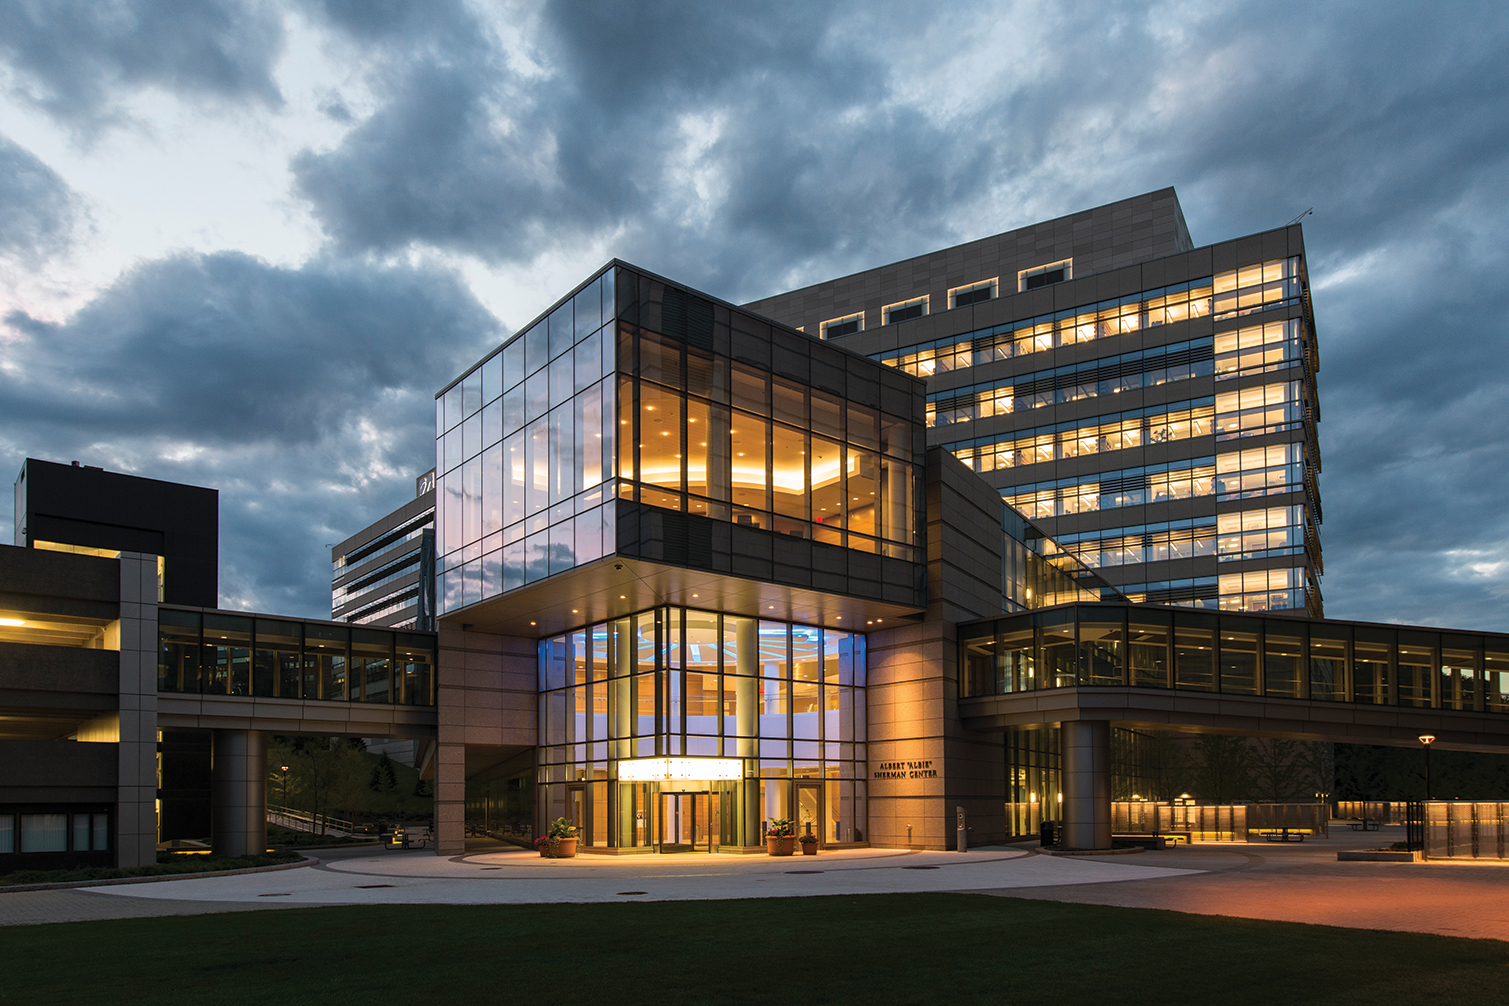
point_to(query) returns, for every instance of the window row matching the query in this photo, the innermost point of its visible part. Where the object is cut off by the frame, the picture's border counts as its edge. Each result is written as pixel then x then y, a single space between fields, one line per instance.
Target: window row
pixel 674 704
pixel 217 654
pixel 1257 287
pixel 719 381
pixel 1096 378
pixel 566 329
pixel 733 465
pixel 1286 658
pixel 1137 428
pixel 705 642
pixel 55 832
pixel 1111 490
pixel 1259 349
pixel 1150 309
pixel 1263 589
pixel 1260 471
pixel 1250 412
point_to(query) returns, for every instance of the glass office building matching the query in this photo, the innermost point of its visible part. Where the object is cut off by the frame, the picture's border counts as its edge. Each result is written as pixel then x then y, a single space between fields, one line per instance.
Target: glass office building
pixel 726 460
pixel 1150 405
pixel 597 400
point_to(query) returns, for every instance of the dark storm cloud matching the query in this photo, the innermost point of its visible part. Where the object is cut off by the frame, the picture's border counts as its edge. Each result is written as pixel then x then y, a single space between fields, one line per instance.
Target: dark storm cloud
pixel 305 395
pixel 472 153
pixel 37 209
pixel 78 59
pixel 829 151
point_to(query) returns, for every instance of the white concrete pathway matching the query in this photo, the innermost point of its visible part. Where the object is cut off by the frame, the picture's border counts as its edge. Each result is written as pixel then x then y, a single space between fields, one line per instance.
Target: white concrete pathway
pixel 525 878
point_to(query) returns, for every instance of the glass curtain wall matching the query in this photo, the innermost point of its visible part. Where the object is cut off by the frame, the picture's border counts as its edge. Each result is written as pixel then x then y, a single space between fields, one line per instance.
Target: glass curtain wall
pixel 785 700
pixel 1103 645
pixel 219 654
pixel 523 452
pixel 722 439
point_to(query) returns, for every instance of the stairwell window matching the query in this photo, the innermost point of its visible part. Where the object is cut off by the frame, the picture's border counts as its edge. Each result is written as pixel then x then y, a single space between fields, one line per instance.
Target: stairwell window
pixel 974 293
pixel 1044 275
pixel 904 311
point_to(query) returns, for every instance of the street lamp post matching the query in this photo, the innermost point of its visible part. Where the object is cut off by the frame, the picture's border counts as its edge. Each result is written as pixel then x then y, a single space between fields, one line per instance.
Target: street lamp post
pixel 1427 740
pixel 285 787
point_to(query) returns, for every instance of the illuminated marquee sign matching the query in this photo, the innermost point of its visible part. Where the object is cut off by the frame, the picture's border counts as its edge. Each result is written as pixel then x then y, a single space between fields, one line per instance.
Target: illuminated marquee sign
pixel 675 769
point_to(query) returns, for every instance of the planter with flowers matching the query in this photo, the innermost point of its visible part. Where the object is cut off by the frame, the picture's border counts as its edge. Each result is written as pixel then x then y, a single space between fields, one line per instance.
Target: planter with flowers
pixel 809 844
pixel 559 842
pixel 780 837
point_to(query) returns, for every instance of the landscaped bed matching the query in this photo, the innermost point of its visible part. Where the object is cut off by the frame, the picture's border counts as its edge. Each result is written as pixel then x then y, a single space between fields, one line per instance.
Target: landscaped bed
pixel 168 864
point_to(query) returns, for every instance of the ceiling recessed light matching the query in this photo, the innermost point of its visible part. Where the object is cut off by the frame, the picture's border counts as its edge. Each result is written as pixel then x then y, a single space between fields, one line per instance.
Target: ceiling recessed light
pixel 11 621
pixel 573 611
pixel 622 597
pixel 531 623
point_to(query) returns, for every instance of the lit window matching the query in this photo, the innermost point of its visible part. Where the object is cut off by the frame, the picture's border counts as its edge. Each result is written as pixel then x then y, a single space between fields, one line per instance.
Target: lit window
pixel 837 328
pixel 975 293
pixel 1045 275
pixel 904 311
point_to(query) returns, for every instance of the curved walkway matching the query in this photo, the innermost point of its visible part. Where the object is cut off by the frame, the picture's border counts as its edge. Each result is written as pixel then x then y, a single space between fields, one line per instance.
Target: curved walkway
pixel 1291 883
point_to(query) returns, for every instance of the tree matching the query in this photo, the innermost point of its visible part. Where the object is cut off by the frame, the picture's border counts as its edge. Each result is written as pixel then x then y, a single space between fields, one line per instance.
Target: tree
pixel 1222 770
pixel 1277 768
pixel 1167 770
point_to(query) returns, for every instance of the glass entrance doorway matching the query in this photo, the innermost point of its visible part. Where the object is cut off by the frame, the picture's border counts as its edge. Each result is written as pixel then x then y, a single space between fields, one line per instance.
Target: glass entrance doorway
pixel 688 822
pixel 809 810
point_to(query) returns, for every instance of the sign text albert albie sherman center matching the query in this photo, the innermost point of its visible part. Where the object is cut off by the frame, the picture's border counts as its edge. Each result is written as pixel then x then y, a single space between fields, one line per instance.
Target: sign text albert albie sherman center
pixel 855 555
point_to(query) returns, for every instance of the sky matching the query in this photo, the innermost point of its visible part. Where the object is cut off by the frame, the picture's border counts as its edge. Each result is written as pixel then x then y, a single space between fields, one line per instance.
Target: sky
pixel 243 242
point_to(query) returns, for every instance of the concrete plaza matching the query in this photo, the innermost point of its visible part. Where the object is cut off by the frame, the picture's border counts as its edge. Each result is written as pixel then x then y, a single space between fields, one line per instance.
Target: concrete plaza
pixel 1294 883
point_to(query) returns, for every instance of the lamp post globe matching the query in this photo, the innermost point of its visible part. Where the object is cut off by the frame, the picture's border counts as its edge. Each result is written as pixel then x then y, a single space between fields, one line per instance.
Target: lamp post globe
pixel 1426 740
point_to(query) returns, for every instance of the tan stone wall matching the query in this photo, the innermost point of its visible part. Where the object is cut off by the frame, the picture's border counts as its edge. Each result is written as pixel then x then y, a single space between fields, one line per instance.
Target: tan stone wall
pixel 485 696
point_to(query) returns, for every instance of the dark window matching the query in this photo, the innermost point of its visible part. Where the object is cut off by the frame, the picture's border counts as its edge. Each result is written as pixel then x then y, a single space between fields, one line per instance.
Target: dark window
pixel 841 329
pixel 971 297
pixel 1043 279
pixel 904 313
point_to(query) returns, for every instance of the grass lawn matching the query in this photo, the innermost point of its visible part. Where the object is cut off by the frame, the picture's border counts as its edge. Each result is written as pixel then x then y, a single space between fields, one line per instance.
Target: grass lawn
pixel 878 949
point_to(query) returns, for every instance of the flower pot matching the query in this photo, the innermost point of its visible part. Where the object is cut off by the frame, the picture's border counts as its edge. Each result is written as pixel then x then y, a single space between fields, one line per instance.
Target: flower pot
pixel 565 848
pixel 809 848
pixel 778 846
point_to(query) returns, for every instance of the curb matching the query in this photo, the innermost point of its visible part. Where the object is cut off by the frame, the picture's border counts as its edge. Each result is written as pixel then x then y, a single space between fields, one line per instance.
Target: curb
pixel 116 881
pixel 1090 852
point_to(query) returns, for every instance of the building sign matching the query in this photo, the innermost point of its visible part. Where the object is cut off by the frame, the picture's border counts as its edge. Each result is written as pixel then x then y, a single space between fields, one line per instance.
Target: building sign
pixel 679 769
pixel 905 770
pixel 424 483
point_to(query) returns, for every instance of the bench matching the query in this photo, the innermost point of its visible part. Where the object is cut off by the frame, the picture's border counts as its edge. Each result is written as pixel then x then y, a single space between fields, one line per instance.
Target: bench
pixel 1281 834
pixel 1365 825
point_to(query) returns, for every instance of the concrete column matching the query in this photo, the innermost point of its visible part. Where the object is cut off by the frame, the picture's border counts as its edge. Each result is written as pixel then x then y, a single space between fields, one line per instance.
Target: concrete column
pixel 1087 784
pixel 238 792
pixel 135 636
pixel 450 795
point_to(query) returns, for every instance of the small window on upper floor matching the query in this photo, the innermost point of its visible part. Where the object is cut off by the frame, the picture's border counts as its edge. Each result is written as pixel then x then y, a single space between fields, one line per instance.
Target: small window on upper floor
pixel 1045 275
pixel 837 328
pixel 904 311
pixel 974 293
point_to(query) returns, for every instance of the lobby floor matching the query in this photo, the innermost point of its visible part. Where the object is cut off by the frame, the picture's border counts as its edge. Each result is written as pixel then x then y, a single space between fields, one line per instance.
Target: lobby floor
pixel 1297 883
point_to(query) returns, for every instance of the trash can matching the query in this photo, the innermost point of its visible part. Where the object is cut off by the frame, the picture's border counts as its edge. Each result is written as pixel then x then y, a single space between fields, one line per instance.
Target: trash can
pixel 1051 833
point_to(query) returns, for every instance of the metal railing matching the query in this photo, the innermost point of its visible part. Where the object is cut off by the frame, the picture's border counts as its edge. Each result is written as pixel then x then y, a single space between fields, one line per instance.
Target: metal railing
pixel 320 824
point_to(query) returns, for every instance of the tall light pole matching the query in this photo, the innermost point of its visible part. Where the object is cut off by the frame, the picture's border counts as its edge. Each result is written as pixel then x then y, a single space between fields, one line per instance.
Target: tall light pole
pixel 1427 740
pixel 285 787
